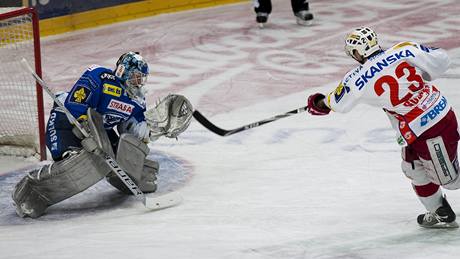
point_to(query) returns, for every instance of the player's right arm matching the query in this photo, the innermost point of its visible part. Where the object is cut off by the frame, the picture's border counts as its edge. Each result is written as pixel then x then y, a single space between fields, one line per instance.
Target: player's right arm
pixel 432 61
pixel 342 99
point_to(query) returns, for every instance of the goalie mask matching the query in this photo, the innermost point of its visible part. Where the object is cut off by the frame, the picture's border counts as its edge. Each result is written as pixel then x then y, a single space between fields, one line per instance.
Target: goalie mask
pixel 133 70
pixel 363 40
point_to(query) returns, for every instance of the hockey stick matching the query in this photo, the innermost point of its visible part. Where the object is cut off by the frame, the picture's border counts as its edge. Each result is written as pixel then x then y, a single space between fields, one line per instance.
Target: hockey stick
pixel 150 203
pixel 222 132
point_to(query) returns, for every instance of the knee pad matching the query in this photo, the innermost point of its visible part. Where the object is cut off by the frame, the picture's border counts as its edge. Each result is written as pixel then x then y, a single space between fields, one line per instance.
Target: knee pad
pixel 415 171
pixel 58 181
pixel 98 132
pixel 131 156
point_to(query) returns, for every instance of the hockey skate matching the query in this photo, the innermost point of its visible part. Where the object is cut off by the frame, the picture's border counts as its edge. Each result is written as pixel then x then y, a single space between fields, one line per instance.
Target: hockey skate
pixel 304 18
pixel 444 217
pixel 261 19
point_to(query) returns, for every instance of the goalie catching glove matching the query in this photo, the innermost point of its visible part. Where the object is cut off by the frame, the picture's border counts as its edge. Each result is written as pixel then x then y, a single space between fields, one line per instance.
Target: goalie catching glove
pixel 170 117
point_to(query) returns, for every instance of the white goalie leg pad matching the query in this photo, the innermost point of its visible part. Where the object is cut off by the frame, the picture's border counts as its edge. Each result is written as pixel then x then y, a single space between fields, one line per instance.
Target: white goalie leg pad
pixel 27 201
pixel 58 181
pixel 440 169
pixel 149 176
pixel 131 156
pixel 98 132
pixel 63 179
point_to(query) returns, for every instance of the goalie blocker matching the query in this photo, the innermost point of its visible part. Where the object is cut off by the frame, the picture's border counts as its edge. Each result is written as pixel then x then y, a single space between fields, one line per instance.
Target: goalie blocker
pixel 82 168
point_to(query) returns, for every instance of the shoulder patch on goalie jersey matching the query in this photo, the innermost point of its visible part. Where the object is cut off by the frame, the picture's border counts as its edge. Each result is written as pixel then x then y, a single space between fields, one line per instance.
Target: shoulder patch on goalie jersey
pixel 80 94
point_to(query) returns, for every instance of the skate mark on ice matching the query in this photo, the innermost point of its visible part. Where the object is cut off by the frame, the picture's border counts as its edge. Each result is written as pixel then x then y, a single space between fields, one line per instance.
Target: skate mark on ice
pixel 376 140
pixel 328 135
pixel 359 245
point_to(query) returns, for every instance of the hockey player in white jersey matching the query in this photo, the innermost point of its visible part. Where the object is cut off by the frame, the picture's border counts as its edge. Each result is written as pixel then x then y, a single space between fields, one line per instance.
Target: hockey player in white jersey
pixel 399 80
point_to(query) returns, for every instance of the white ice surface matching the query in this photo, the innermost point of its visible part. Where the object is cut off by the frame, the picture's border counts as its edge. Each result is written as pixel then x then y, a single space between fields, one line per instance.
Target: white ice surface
pixel 301 187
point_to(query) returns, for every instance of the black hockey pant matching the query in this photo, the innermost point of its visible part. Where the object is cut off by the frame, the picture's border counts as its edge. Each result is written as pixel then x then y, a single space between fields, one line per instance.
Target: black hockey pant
pixel 265 6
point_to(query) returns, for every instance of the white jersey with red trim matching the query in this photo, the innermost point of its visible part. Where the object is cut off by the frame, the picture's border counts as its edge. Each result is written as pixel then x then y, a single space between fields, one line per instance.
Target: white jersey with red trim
pixel 398 80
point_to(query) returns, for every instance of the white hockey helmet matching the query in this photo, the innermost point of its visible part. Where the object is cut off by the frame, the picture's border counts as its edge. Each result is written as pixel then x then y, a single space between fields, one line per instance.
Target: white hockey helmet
pixel 363 40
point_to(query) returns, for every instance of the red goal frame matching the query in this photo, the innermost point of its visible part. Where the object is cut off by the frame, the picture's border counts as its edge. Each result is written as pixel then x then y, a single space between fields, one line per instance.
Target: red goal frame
pixel 38 70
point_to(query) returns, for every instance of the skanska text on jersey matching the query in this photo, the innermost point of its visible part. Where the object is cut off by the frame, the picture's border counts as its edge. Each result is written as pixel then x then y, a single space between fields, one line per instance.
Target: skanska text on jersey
pixel 380 65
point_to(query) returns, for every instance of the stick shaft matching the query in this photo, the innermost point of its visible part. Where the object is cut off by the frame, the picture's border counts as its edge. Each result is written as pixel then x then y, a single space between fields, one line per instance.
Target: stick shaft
pixel 53 96
pixel 222 132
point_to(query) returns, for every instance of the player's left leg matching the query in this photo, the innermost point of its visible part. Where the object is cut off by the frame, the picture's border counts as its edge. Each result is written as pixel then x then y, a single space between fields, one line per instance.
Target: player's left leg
pixel 431 161
pixel 302 12
pixel 439 213
pixel 437 150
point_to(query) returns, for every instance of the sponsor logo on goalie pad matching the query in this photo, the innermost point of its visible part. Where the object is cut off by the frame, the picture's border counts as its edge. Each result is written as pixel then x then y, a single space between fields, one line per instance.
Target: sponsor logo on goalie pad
pixel 123 176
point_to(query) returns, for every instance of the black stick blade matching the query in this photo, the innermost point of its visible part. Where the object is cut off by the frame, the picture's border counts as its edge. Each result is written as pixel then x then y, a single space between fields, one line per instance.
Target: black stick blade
pixel 207 124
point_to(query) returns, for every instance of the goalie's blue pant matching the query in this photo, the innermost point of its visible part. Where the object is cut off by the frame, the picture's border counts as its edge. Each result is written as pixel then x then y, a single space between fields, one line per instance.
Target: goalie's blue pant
pixel 60 138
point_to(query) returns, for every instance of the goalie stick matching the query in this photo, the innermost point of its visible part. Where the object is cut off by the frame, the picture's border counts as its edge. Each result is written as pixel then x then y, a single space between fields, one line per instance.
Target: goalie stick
pixel 222 132
pixel 152 203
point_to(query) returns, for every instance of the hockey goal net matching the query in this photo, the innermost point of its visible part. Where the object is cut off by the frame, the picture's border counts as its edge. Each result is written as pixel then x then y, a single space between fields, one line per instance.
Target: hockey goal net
pixel 21 99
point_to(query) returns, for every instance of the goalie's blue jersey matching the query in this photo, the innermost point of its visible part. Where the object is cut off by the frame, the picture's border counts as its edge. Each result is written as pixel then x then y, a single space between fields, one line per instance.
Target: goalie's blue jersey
pixel 100 89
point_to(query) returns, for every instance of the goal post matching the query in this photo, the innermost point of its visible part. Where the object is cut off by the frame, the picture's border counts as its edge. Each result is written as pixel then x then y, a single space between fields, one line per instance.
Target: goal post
pixel 22 126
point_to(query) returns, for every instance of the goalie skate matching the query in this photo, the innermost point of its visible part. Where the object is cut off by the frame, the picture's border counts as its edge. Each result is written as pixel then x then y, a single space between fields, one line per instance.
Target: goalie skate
pixel 444 217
